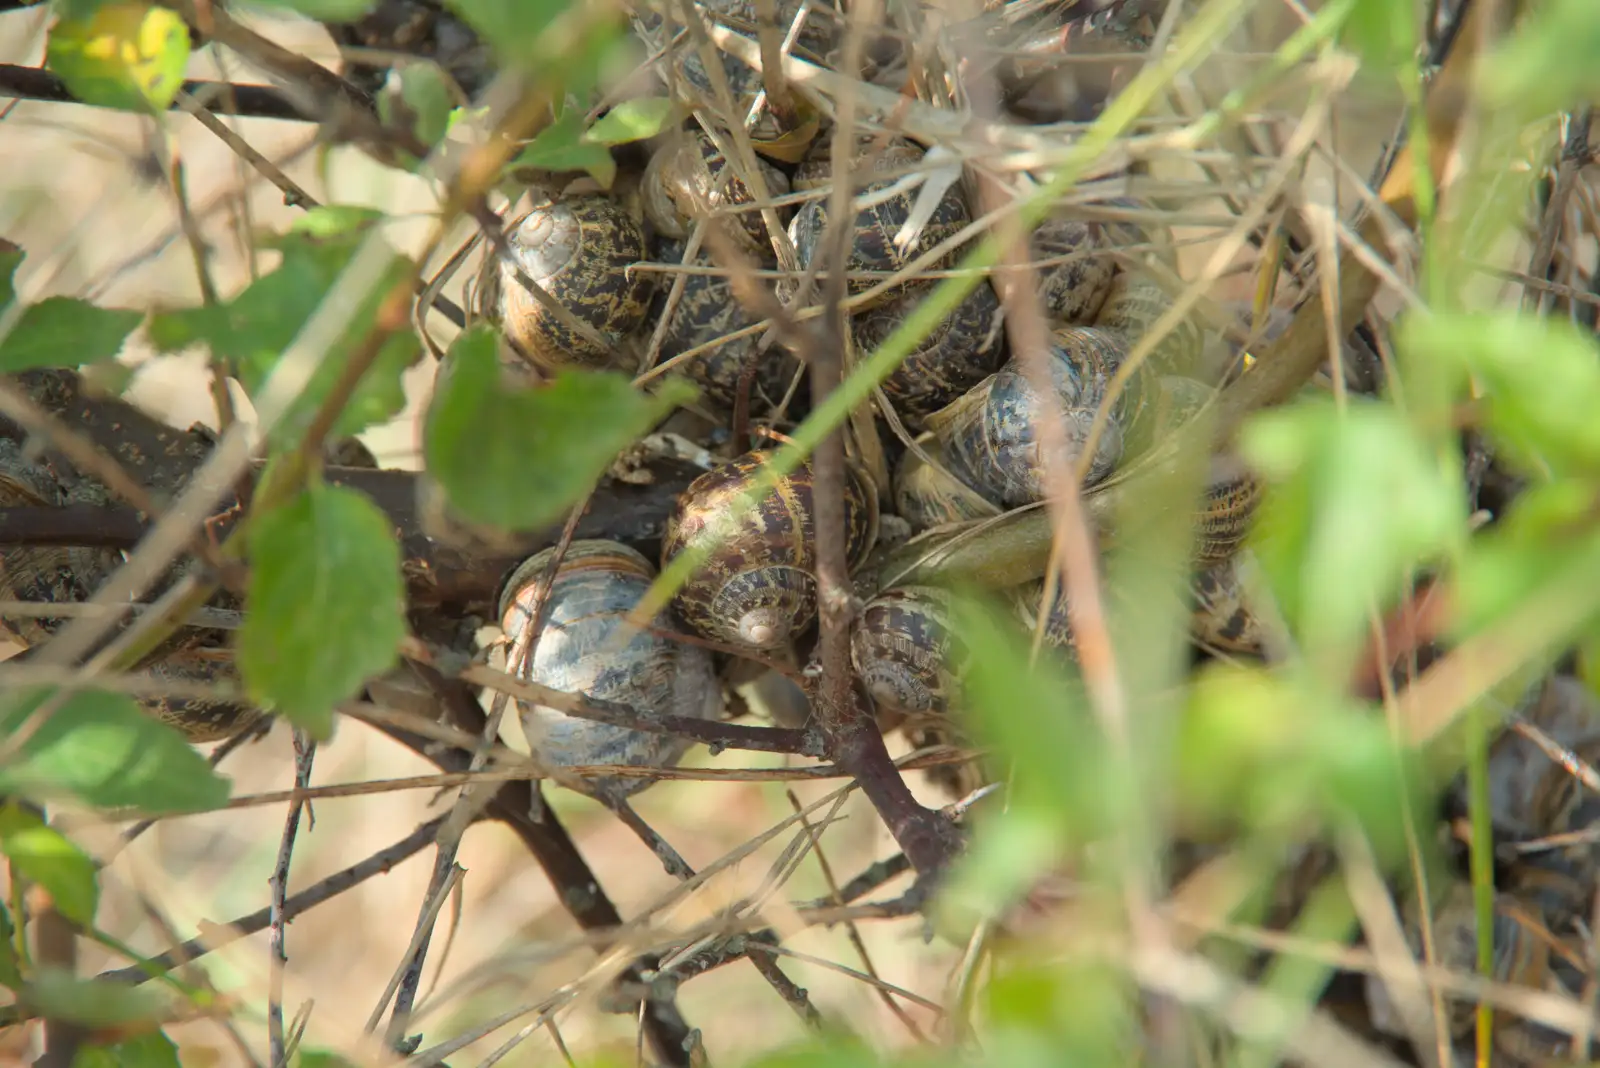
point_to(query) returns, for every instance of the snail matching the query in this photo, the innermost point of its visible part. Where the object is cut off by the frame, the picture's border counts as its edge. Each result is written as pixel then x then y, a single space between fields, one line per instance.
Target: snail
pixel 1133 304
pixel 904 651
pixel 579 249
pixel 988 438
pixel 594 588
pixel 1075 268
pixel 688 179
pixel 755 587
pixel 706 311
pixel 1222 618
pixel 928 495
pixel 62 575
pixel 962 350
pixel 875 244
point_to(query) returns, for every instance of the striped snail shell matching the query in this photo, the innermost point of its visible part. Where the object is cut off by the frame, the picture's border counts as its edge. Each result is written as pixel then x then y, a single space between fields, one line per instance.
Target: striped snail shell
pixel 688 179
pixel 1133 305
pixel 1222 618
pixel 1057 623
pixel 905 653
pixel 927 496
pixel 201 719
pixel 988 438
pixel 580 250
pixel 962 350
pixel 874 242
pixel 756 587
pixel 1075 268
pixel 1227 511
pixel 707 311
pixel 1171 401
pixel 596 585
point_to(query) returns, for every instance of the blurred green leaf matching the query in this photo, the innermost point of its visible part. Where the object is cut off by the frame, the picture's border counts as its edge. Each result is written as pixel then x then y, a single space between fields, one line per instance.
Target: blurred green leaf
pixel 349 221
pixel 561 146
pixel 631 120
pixel 1547 64
pixel 1540 380
pixel 998 868
pixel 1383 31
pixel 1272 751
pixel 321 1058
pixel 1356 499
pixel 1082 1011
pixel 103 748
pixel 511 27
pixel 45 856
pixel 92 1002
pixel 150 1050
pixel 519 458
pixel 10 966
pixel 325 605
pixel 65 332
pixel 9 262
pixel 258 326
pixel 128 55
pixel 1548 529
pixel 324 10
pixel 422 104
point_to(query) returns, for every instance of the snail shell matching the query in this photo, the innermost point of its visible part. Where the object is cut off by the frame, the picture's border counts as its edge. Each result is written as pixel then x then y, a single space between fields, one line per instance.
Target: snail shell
pixel 1133 305
pixel 965 348
pixel 904 651
pixel 706 311
pixel 927 496
pixel 1057 623
pixel 1222 618
pixel 873 245
pixel 688 179
pixel 756 587
pixel 1075 268
pixel 579 250
pixel 200 719
pixel 1172 400
pixel 597 584
pixel 989 437
pixel 1226 513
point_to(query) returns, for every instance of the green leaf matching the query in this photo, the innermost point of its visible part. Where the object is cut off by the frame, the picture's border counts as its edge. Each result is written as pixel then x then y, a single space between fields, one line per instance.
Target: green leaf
pixel 258 326
pixel 631 120
pixel 44 856
pixel 1356 499
pixel 129 56
pixel 1548 62
pixel 9 262
pixel 321 1058
pixel 102 748
pixel 1540 380
pixel 325 606
pixel 10 967
pixel 324 10
pixel 561 146
pixel 511 27
pixel 150 1050
pixel 1383 31
pixel 519 458
pixel 91 1002
pixel 65 332
pixel 422 104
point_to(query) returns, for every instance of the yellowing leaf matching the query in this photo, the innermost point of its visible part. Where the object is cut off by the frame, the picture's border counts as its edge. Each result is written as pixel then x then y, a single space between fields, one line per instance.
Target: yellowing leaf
pixel 129 56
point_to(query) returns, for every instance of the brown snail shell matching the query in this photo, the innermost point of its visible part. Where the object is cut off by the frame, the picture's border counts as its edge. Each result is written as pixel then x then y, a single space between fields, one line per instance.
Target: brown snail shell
pixel 756 587
pixel 201 719
pixel 927 496
pixel 595 587
pixel 1057 623
pixel 1226 513
pixel 688 179
pixel 707 310
pixel 905 652
pixel 1133 305
pixel 1075 268
pixel 1222 618
pixel 988 438
pixel 962 350
pixel 580 250
pixel 873 246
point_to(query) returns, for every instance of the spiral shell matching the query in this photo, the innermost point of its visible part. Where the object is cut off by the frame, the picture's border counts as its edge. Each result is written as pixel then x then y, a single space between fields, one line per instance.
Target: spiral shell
pixel 579 250
pixel 1057 622
pixel 962 350
pixel 707 311
pixel 1226 513
pixel 1075 268
pixel 927 496
pixel 1133 305
pixel 905 651
pixel 597 584
pixel 988 438
pixel 201 719
pixel 756 586
pixel 688 179
pixel 873 244
pixel 1222 618
pixel 1173 400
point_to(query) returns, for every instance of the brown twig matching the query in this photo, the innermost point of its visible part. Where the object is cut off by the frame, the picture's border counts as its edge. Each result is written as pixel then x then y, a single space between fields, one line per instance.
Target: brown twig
pixel 305 751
